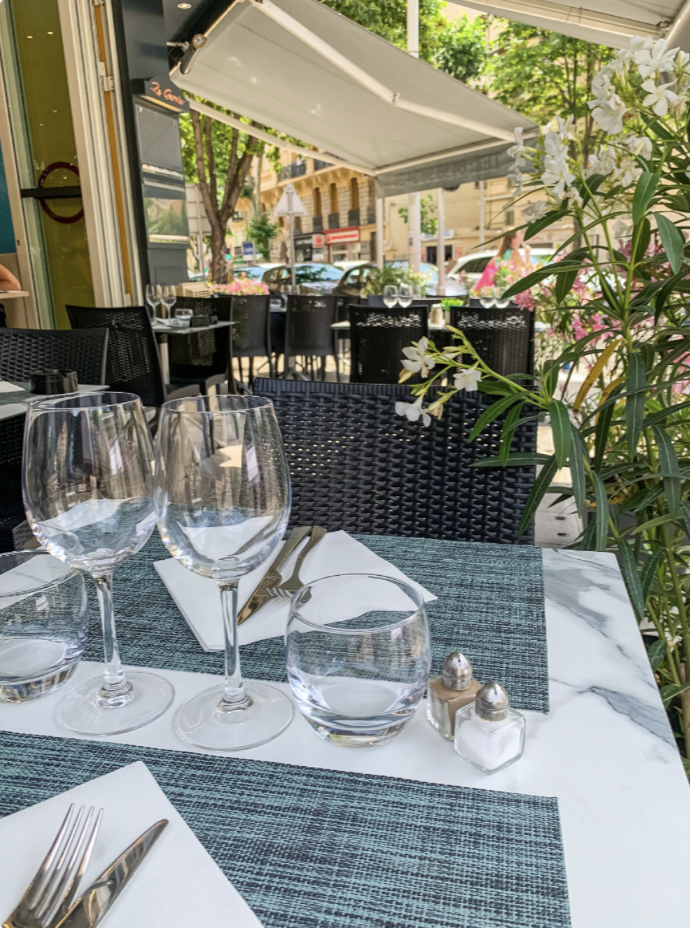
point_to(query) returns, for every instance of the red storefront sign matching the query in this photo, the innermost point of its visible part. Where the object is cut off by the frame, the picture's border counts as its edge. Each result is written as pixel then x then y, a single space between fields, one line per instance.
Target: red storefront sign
pixel 336 236
pixel 318 240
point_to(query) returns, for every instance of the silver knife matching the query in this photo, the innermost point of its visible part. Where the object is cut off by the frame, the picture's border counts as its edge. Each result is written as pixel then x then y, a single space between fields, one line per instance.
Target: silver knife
pixel 100 896
pixel 272 577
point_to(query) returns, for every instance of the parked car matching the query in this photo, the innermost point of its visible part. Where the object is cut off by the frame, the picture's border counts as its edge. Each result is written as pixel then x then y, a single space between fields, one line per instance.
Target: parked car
pixel 354 281
pixel 312 278
pixel 474 264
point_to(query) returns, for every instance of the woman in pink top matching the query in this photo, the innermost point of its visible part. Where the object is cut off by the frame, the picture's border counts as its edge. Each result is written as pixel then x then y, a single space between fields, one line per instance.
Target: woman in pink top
pixel 509 251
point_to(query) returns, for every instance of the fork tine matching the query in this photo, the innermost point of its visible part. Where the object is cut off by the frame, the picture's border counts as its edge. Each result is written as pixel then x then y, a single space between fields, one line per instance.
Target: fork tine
pixel 68 886
pixel 54 875
pixel 37 884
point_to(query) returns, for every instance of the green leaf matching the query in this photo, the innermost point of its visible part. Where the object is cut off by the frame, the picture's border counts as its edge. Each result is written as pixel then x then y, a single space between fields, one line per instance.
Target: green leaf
pixel 577 471
pixel 685 515
pixel 534 228
pixel 672 240
pixel 657 653
pixel 549 380
pixel 561 431
pixel 632 579
pixel 642 245
pixel 519 459
pixel 653 523
pixel 644 191
pixel 492 413
pixel 549 270
pixel 601 514
pixel 541 485
pixel 670 467
pixel 509 427
pixel 634 406
pixel 564 284
pixel 672 690
pixel 601 435
pixel 649 570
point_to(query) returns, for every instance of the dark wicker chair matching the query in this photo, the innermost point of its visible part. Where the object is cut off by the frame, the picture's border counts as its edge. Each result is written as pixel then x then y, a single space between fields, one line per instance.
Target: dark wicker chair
pixel 133 364
pixel 14 529
pixel 250 336
pixel 378 337
pixel 203 357
pixel 355 464
pixel 504 338
pixel 23 351
pixel 308 331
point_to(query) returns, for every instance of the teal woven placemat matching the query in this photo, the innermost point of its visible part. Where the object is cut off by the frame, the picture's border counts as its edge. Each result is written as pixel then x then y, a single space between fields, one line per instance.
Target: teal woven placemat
pixel 324 849
pixel 490 605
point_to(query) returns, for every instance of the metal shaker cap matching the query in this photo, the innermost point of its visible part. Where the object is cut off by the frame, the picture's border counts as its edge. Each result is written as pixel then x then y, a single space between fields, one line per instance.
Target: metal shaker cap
pixel 456 672
pixel 492 702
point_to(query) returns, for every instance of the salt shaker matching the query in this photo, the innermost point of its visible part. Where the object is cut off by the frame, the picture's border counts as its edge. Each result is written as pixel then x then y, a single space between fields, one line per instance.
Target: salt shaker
pixel 488 733
pixel 455 688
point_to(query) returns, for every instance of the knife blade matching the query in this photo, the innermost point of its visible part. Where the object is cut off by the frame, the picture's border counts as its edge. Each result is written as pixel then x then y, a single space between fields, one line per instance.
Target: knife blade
pixel 90 908
pixel 272 576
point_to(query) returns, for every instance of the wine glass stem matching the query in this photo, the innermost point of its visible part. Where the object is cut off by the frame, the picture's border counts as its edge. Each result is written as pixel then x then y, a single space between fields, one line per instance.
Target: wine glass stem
pixel 234 694
pixel 116 691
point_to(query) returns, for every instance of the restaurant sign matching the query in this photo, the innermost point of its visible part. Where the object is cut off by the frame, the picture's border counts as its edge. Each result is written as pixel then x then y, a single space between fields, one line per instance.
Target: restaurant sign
pixel 163 92
pixel 335 236
pixel 318 240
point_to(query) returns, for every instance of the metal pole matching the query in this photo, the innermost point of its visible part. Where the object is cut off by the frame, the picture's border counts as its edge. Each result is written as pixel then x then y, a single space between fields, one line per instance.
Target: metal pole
pixel 482 212
pixel 413 200
pixel 441 247
pixel 379 232
pixel 291 217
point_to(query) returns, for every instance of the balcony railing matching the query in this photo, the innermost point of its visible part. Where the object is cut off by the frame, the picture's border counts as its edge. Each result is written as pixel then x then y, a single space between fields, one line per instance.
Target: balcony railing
pixel 371 215
pixel 296 169
pixel 317 224
pixel 320 165
pixel 353 217
pixel 334 220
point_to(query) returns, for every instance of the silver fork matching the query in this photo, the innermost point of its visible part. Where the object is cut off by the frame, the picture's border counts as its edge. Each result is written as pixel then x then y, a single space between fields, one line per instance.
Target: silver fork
pixel 289 587
pixel 56 883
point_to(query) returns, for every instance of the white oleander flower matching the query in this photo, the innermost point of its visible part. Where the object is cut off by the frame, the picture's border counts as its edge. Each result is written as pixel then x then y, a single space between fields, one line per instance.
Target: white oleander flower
pixel 414 411
pixel 628 171
pixel 565 128
pixel 557 175
pixel 672 640
pixel 554 146
pixel 658 97
pixel 601 85
pixel 639 47
pixel 603 162
pixel 657 58
pixel 621 229
pixel 639 145
pixel 608 113
pixel 467 379
pixel 417 360
pixel 682 59
pixel 536 210
pixel 574 198
pixel 518 152
pixel 516 180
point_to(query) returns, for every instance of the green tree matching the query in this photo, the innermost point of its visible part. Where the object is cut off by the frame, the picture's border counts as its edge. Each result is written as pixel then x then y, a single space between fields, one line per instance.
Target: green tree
pixel 428 210
pixel 462 48
pixel 540 73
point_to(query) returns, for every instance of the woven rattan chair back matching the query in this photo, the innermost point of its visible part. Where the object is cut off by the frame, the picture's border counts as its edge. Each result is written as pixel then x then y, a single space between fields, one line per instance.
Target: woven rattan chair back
pixel 200 354
pixel 378 337
pixel 308 324
pixel 23 351
pixel 11 508
pixel 355 464
pixel 504 338
pixel 251 332
pixel 133 364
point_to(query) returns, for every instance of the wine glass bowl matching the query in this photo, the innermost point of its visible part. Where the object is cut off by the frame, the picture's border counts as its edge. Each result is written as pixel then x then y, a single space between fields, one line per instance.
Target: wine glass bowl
pixel 88 496
pixel 222 498
pixel 390 296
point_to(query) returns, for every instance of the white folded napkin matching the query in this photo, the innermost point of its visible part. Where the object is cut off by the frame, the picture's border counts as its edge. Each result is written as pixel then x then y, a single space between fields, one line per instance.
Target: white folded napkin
pixel 198 598
pixel 178 885
pixel 7 387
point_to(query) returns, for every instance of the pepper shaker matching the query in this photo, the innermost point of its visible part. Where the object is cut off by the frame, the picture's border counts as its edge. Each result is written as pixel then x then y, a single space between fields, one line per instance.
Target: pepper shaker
pixel 456 687
pixel 488 733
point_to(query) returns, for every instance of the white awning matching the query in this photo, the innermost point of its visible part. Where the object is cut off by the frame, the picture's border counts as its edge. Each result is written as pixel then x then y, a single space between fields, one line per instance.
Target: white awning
pixel 298 67
pixel 607 22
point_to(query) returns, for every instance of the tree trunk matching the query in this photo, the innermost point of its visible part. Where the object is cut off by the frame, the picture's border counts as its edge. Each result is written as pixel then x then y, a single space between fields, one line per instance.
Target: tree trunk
pixel 219 264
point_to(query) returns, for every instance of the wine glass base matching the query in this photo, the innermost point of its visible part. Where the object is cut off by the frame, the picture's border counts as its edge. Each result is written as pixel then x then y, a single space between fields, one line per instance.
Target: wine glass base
pixel 79 711
pixel 200 722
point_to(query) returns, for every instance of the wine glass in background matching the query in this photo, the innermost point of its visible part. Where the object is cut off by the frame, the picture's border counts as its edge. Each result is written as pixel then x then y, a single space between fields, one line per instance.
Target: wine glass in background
pixel 390 296
pixel 222 497
pixel 168 298
pixel 183 317
pixel 405 295
pixel 153 298
pixel 88 495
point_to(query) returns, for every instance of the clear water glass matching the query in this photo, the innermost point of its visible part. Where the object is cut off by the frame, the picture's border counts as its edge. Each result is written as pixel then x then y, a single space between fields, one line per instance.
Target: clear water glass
pixel 405 295
pixel 358 656
pixel 222 503
pixel 169 298
pixel 183 317
pixel 88 495
pixel 390 296
pixel 43 624
pixel 153 298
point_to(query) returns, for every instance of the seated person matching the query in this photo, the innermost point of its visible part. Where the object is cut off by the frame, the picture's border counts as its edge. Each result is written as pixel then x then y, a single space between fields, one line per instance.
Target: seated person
pixel 7 280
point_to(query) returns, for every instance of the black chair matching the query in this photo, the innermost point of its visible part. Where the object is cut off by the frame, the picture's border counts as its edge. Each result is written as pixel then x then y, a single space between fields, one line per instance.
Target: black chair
pixel 504 338
pixel 355 464
pixel 133 364
pixel 308 331
pixel 202 357
pixel 14 529
pixel 23 351
pixel 250 335
pixel 378 337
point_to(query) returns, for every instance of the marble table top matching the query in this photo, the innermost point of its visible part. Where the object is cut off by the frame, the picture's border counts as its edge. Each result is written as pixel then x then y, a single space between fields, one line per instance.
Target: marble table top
pixel 605 750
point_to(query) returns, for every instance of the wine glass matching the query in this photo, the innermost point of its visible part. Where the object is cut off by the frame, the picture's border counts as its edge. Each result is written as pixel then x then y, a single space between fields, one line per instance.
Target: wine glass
pixel 169 298
pixel 222 497
pixel 390 296
pixel 405 295
pixel 88 495
pixel 153 298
